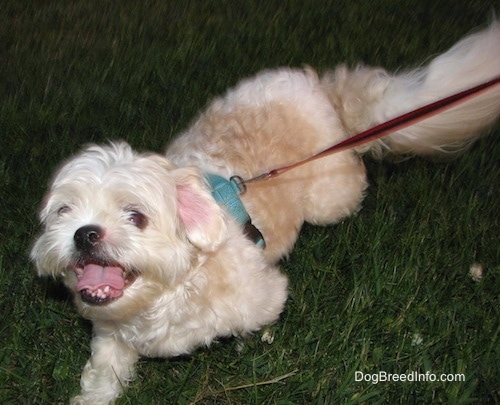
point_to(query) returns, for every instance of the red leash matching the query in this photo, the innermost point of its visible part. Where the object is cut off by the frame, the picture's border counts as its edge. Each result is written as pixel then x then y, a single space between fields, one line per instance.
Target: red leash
pixel 384 129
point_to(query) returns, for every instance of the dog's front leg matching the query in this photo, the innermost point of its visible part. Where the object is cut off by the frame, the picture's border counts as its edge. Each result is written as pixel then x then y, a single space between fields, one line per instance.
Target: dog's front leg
pixel 109 369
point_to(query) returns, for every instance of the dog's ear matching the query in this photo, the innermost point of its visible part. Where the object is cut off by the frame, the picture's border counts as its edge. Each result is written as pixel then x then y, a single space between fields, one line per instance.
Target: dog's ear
pixel 200 215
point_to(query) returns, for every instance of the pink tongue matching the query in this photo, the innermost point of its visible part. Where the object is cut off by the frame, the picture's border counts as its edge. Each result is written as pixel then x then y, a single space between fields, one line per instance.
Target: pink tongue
pixel 94 277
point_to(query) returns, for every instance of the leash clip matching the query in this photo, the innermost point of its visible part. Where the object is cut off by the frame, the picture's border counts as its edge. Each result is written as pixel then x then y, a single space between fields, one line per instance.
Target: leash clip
pixel 239 184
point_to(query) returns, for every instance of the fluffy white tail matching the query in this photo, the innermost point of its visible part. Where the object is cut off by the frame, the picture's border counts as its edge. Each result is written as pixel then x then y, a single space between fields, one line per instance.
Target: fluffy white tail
pixel 365 97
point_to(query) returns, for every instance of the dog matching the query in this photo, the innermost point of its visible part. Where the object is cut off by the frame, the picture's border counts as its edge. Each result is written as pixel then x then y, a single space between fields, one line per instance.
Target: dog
pixel 161 264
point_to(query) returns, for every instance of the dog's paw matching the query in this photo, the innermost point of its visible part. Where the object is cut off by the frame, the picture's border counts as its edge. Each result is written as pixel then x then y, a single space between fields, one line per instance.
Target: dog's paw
pixel 78 401
pixel 81 400
pixel 267 336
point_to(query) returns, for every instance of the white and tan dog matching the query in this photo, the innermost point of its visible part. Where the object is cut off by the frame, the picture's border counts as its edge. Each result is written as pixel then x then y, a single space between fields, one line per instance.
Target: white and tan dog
pixel 161 268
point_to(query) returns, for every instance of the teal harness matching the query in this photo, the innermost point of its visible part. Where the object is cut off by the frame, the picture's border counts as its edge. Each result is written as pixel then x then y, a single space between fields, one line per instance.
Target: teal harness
pixel 227 193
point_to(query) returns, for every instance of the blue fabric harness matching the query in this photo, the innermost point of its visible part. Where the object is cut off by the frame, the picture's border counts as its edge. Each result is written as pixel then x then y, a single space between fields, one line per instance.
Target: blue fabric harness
pixel 227 193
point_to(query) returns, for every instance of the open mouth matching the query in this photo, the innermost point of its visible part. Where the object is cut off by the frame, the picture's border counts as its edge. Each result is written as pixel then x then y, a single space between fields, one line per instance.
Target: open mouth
pixel 100 283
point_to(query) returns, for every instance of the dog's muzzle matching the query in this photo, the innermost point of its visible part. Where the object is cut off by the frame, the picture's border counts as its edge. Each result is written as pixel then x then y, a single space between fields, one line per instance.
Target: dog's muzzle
pixel 100 280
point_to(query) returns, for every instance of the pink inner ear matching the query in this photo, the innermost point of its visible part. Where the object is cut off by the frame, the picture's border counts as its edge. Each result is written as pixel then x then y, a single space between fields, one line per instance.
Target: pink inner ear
pixel 193 208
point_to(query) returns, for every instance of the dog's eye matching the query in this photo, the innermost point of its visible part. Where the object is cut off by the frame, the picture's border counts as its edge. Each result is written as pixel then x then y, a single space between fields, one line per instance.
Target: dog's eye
pixel 63 210
pixel 137 218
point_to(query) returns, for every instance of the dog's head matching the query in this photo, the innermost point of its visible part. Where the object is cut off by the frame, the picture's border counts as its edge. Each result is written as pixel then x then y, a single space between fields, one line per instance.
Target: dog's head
pixel 119 227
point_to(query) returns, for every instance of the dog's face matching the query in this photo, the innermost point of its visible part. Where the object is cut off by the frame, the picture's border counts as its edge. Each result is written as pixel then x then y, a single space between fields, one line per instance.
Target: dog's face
pixel 120 227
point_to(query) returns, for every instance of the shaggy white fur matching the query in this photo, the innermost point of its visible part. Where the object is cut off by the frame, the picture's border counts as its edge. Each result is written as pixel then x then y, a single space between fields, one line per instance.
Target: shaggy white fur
pixel 160 268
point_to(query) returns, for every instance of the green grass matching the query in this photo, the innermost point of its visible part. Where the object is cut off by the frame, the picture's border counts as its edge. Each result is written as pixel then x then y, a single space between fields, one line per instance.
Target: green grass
pixel 362 292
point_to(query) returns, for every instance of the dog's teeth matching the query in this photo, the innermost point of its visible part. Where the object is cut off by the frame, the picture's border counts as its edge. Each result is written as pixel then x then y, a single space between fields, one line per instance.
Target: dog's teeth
pixel 102 294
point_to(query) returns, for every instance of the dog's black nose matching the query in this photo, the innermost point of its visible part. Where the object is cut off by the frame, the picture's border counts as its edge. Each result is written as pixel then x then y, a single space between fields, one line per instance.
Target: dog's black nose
pixel 87 237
